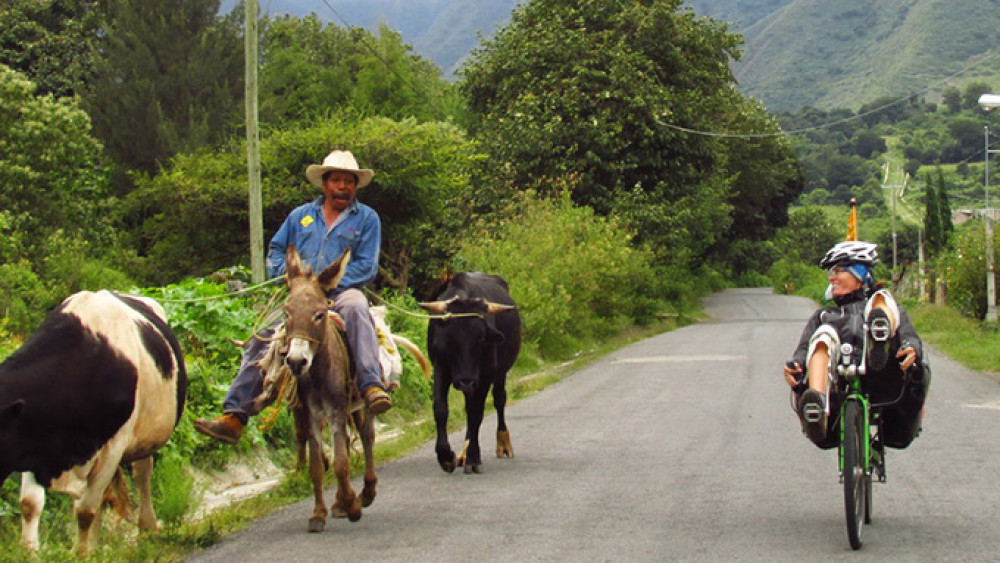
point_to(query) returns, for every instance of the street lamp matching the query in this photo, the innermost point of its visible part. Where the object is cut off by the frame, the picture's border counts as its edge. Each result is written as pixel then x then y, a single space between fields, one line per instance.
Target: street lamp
pixel 988 102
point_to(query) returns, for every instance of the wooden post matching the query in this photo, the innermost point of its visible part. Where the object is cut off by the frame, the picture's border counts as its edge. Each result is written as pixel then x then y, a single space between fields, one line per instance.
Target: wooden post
pixel 255 207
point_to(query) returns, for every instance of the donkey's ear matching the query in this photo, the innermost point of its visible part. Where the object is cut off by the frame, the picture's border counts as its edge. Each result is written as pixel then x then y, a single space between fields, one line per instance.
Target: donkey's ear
pixel 293 263
pixel 332 274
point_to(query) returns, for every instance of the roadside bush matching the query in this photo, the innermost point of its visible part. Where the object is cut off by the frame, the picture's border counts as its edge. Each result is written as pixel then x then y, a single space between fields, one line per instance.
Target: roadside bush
pixel 794 277
pixel 574 275
pixel 964 270
pixel 24 298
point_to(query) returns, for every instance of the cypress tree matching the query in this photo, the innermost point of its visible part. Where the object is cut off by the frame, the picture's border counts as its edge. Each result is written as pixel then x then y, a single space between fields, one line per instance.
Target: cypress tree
pixel 944 209
pixel 168 78
pixel 932 217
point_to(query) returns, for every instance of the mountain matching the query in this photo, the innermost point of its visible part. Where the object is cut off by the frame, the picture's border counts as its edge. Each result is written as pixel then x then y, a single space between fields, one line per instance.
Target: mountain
pixel 821 53
pixel 443 31
pixel 846 53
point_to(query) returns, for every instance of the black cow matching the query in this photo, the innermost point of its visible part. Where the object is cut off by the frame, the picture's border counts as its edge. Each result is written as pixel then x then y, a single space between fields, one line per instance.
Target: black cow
pixel 100 383
pixel 472 345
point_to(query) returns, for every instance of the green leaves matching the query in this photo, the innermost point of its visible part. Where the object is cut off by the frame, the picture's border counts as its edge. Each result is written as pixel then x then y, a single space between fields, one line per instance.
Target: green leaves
pixel 597 91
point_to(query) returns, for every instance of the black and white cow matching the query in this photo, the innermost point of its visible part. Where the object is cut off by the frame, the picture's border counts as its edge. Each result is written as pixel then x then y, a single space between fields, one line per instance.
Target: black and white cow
pixel 100 383
pixel 472 344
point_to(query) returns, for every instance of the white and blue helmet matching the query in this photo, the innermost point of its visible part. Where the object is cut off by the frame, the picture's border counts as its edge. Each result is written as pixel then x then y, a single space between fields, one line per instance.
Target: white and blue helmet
pixel 851 252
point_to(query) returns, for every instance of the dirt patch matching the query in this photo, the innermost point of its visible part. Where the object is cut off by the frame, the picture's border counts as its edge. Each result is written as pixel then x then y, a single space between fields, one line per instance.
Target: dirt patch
pixel 249 476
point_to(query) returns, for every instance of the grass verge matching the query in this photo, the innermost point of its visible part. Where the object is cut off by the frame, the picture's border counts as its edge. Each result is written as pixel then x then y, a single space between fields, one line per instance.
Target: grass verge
pixel 968 342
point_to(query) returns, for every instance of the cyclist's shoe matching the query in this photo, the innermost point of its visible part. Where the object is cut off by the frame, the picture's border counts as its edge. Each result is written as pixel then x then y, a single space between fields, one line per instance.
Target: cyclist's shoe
pixel 812 413
pixel 879 336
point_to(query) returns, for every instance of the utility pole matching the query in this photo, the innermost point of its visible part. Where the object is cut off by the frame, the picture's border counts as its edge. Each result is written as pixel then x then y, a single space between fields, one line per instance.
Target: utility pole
pixel 255 207
pixel 893 194
pixel 991 273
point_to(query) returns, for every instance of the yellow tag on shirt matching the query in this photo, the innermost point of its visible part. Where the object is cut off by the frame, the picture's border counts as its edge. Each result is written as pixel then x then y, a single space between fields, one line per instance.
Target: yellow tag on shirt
pixel 306 221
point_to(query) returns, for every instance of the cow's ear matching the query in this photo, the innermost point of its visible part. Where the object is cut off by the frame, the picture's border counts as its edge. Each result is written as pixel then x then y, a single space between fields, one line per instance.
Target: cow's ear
pixel 330 277
pixel 10 412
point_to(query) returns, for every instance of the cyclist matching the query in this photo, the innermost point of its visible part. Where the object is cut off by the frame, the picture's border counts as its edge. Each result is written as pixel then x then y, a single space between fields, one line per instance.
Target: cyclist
pixel 839 330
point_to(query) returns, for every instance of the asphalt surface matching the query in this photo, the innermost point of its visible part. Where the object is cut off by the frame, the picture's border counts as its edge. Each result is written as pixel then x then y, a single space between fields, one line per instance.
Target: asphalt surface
pixel 682 447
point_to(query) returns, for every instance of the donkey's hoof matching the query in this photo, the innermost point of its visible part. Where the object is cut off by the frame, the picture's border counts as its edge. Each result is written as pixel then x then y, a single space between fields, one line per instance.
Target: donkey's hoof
pixel 337 511
pixel 316 525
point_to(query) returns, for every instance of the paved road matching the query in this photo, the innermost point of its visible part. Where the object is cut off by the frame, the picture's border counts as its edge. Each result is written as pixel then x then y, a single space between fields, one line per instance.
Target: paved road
pixel 681 447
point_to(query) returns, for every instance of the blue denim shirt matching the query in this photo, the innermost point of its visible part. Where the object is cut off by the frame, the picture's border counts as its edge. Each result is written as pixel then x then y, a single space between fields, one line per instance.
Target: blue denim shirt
pixel 358 227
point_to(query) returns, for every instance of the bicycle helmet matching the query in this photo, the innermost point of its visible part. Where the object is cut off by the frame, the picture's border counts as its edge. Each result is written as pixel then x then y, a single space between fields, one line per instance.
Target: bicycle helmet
pixel 851 252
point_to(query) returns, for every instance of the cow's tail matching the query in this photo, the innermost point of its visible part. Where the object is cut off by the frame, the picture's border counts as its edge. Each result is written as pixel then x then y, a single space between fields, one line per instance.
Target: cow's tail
pixel 425 366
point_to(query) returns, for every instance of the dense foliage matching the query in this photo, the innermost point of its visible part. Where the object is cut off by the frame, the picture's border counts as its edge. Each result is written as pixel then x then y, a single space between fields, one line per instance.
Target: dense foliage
pixel 308 68
pixel 55 232
pixel 49 41
pixel 572 273
pixel 168 79
pixel 605 93
pixel 421 168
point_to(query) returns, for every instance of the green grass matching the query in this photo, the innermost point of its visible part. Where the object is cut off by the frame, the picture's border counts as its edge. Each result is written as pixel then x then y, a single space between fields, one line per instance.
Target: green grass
pixel 961 339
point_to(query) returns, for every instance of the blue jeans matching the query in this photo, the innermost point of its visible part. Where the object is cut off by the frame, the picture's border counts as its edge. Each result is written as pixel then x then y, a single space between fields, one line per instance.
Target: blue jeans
pixel 352 306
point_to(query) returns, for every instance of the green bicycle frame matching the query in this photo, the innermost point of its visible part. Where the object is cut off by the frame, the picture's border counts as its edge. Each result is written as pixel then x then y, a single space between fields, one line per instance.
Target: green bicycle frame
pixel 854 394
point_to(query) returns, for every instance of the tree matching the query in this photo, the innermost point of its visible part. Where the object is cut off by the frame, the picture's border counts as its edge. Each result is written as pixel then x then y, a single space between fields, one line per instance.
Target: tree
pixel 55 228
pixel 168 78
pixel 867 143
pixel 602 92
pixel 971 94
pixel 933 231
pixel 944 209
pixel 952 100
pixel 308 70
pixel 49 41
pixel 191 217
pixel 50 176
pixel 765 172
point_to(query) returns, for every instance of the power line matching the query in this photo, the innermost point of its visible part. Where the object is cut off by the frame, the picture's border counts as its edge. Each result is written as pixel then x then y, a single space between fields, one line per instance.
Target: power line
pixel 372 50
pixel 897 101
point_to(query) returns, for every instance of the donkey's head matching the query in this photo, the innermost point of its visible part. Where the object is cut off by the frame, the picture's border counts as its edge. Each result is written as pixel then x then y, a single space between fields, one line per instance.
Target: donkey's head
pixel 306 321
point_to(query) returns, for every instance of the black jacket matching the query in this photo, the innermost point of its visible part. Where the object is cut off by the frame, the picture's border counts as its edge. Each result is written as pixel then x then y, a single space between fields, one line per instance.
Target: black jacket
pixel 846 316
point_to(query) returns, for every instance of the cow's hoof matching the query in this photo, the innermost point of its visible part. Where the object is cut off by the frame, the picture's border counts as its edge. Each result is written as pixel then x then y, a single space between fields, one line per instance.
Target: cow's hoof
pixel 448 461
pixel 473 468
pixel 504 447
pixel 316 525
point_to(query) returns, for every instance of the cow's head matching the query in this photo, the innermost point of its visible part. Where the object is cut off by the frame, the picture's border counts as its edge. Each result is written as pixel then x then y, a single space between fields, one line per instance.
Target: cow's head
pixel 465 336
pixel 8 419
pixel 306 308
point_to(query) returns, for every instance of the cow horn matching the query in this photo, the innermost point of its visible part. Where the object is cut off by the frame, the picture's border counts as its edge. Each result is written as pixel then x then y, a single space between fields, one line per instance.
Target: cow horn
pixel 493 308
pixel 439 307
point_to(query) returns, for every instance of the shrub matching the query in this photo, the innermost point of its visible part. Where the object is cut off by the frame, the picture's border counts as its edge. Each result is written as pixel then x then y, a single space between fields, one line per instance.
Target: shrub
pixel 574 275
pixel 964 270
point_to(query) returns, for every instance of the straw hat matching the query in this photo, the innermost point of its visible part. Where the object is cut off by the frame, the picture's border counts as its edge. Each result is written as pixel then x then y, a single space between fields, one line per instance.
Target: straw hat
pixel 339 160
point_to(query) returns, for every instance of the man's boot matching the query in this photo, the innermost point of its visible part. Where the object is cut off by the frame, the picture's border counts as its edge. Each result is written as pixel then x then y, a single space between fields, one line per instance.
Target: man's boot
pixel 226 428
pixel 377 400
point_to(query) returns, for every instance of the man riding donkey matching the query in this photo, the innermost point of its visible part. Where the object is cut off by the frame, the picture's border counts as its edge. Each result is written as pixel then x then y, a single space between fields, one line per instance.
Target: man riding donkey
pixel 321 230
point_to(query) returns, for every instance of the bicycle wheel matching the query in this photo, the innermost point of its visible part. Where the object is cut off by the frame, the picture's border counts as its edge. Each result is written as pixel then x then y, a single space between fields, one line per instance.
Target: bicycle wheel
pixel 855 479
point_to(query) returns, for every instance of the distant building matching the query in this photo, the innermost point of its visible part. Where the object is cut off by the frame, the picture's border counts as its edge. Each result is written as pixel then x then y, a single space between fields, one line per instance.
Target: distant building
pixel 960 216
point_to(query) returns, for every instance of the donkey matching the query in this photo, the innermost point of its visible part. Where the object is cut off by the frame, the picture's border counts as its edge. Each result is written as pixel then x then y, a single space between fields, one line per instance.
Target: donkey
pixel 316 356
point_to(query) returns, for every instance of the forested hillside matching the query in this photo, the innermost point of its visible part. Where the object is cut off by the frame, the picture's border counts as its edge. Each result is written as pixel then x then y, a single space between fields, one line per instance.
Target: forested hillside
pixel 849 52
pixel 797 52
